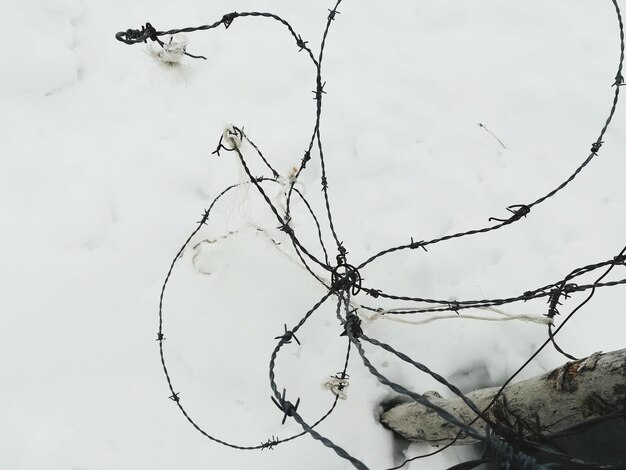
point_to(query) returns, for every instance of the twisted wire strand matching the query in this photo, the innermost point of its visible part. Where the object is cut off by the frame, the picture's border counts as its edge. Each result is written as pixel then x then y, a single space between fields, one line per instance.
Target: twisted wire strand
pixel 342 285
pixel 161 338
pixel 536 293
pixel 523 210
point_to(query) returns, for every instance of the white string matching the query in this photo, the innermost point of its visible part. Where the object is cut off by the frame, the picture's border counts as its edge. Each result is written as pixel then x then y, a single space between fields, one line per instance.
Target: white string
pixel 503 316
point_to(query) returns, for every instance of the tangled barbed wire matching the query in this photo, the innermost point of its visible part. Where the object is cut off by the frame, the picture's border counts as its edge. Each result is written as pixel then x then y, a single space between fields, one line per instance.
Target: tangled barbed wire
pixel 342 280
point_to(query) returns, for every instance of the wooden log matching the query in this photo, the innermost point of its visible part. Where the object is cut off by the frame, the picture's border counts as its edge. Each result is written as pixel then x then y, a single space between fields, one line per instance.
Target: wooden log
pixel 571 395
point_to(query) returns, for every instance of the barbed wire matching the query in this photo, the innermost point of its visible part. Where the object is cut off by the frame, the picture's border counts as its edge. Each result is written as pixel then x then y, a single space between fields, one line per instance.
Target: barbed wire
pixel 343 280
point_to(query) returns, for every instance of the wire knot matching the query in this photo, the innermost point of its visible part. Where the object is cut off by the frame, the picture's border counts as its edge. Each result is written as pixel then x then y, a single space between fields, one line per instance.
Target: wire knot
pixel 205 217
pixel 134 36
pixel 345 276
pixel 233 136
pixel 288 408
pixel 619 80
pixel 174 397
pixel 332 14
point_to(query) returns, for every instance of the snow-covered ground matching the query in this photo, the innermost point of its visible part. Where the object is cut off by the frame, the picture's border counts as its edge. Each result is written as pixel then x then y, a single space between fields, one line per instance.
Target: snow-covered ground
pixel 106 166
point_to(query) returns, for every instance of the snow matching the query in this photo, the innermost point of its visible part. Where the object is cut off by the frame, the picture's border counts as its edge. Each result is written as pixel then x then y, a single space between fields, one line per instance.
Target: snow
pixel 106 166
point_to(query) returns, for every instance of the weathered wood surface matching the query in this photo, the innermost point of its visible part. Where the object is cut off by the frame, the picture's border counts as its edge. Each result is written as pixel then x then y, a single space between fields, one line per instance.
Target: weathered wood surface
pixel 569 395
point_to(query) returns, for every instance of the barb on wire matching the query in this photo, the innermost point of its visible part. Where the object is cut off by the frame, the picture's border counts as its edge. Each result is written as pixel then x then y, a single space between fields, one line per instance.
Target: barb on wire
pixel 288 408
pixel 288 336
pixel 270 443
pixel 136 36
pixel 344 280
pixel 415 245
pixel 345 276
pixel 518 211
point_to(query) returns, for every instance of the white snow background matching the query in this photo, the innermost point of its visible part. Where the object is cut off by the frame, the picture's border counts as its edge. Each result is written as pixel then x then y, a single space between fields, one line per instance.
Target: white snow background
pixel 106 166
